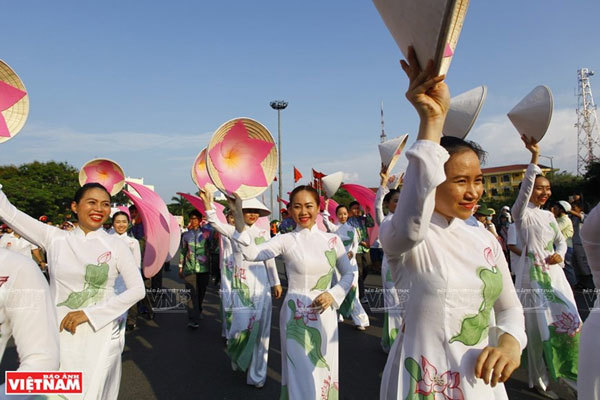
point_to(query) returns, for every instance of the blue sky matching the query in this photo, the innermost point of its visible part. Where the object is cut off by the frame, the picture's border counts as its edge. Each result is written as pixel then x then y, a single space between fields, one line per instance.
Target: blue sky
pixel 145 83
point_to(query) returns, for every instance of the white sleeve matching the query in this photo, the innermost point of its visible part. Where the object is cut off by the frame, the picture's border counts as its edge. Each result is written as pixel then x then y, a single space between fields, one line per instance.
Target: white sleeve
pixel 331 227
pixel 347 271
pixel 32 318
pixel 30 228
pixel 518 209
pixel 508 309
pixel 381 192
pixel 137 253
pixel 511 236
pixel 271 266
pixel 106 311
pixel 224 229
pixel 415 207
pixel 262 252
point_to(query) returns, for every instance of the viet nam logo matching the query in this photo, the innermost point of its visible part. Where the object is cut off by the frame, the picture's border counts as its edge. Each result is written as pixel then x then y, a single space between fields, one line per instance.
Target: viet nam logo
pixel 43 382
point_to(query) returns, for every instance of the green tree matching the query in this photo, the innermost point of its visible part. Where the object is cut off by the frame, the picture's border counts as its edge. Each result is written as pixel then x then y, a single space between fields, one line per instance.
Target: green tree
pixel 41 188
pixel 591 184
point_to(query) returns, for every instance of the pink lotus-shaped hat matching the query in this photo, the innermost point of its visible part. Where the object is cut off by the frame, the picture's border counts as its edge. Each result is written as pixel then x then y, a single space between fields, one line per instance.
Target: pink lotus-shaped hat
pixel 105 172
pixel 199 173
pixel 242 158
pixel 14 103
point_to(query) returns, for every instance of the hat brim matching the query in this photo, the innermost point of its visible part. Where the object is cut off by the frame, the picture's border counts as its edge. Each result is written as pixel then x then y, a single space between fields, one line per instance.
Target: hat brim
pixel 16 115
pixel 532 115
pixel 104 171
pixel 463 112
pixel 241 171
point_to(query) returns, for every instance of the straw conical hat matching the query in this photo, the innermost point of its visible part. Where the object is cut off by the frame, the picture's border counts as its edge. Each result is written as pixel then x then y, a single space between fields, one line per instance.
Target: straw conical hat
pixel 463 112
pixel 255 204
pixel 200 174
pixel 532 115
pixel 105 172
pixel 390 151
pixel 242 158
pixel 331 183
pixel 432 27
pixel 14 103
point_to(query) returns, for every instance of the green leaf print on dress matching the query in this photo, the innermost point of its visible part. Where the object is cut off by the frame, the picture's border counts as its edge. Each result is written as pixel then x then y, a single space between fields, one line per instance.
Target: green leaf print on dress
pixel 259 240
pixel 96 276
pixel 350 239
pixel 238 286
pixel 561 349
pixel 240 348
pixel 324 281
pixel 538 273
pixel 348 303
pixel 306 336
pixel 474 328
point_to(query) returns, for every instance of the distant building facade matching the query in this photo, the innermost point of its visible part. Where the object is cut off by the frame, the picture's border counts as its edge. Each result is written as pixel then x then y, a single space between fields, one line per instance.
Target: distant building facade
pixel 503 181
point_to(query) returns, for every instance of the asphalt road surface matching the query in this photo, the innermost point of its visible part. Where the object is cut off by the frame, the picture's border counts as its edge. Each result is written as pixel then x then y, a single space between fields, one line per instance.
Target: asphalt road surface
pixel 164 359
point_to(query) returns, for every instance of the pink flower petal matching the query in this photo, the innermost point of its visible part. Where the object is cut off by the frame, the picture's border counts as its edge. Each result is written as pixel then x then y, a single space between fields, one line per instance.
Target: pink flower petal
pixel 104 258
pixel 9 96
pixel 489 256
pixel 238 158
pixel 429 371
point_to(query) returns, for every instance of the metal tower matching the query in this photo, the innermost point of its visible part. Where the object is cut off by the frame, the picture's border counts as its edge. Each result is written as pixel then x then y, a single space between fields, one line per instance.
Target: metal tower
pixel 588 142
pixel 382 136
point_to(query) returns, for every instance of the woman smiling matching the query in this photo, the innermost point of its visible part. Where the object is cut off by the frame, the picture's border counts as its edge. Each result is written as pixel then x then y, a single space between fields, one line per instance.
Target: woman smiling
pixel 308 321
pixel 83 265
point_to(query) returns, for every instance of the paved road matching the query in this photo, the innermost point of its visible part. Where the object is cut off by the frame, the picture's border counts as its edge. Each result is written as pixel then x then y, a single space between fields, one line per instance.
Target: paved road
pixel 163 359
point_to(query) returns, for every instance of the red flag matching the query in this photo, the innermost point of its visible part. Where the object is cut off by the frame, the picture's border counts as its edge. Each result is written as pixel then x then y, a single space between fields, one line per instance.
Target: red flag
pixel 318 175
pixel 297 175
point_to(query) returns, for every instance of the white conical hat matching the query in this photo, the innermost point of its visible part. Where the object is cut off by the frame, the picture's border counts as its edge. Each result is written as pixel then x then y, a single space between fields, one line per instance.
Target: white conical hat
pixel 463 112
pixel 432 27
pixel 390 151
pixel 255 204
pixel 331 183
pixel 532 115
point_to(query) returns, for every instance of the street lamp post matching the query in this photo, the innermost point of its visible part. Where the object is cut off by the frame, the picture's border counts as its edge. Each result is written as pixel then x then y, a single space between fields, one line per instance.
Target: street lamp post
pixel 279 105
pixel 551 158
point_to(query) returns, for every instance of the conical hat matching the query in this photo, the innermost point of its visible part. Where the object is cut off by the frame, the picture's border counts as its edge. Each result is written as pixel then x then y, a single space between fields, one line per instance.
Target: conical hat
pixel 105 172
pixel 242 158
pixel 390 151
pixel 463 112
pixel 532 115
pixel 331 183
pixel 14 103
pixel 432 27
pixel 200 174
pixel 255 204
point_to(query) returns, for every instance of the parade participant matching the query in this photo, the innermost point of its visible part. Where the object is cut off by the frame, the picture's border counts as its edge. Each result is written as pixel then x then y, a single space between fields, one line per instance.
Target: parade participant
pixel 226 261
pixel 194 266
pixel 307 321
pixel 579 263
pixel 552 320
pixel 457 272
pixel 120 224
pixel 250 330
pixel 361 222
pixel 83 266
pixel 392 322
pixel 588 383
pixel 14 242
pixel 27 314
pixel 351 307
pixel 287 224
